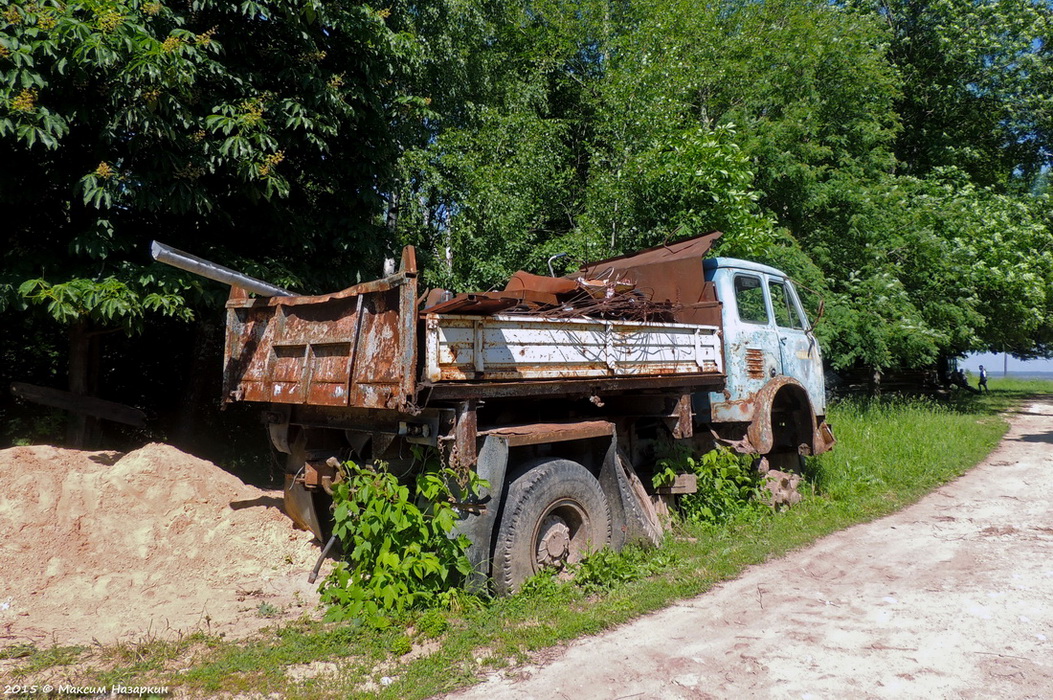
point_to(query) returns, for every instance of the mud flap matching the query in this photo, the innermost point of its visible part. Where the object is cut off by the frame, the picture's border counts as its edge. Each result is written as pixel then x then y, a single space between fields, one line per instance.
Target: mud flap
pixel 479 525
pixel 824 439
pixel 300 506
pixel 633 517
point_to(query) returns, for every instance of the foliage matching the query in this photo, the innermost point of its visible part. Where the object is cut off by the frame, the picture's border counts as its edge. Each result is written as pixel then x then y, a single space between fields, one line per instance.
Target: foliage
pixel 805 85
pixel 932 267
pixel 397 556
pixel 431 624
pixel 256 134
pixel 128 119
pixel 568 149
pixel 607 569
pixel 977 85
pixel 107 300
pixel 728 484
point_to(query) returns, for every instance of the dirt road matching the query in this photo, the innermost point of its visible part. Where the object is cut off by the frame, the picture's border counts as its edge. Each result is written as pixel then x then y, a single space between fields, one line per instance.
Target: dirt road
pixel 950 598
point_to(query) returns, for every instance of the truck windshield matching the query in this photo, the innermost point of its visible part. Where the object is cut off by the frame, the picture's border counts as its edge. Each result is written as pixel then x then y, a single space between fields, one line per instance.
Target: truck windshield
pixel 749 296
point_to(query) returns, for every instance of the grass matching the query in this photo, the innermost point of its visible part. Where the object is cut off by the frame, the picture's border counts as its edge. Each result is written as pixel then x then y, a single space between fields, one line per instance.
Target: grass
pixel 890 453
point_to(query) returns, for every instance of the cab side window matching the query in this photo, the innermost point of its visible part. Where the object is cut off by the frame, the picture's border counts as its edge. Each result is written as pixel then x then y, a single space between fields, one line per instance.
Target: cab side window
pixel 786 315
pixel 749 297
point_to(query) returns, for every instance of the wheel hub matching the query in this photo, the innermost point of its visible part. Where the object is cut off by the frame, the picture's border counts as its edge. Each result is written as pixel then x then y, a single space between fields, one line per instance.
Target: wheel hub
pixel 553 542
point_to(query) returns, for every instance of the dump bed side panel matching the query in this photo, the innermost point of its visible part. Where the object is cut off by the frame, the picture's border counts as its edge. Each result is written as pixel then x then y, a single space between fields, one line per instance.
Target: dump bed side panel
pixel 353 348
pixel 522 347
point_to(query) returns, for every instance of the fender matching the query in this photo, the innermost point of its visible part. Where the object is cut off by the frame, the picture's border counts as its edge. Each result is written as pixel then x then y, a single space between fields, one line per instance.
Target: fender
pixel 814 436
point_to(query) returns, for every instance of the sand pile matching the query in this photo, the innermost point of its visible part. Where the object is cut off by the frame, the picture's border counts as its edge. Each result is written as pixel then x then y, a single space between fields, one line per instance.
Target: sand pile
pixel 157 542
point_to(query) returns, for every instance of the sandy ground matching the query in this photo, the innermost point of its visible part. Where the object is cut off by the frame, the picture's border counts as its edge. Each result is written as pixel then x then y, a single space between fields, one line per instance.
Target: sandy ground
pixel 950 598
pixel 152 544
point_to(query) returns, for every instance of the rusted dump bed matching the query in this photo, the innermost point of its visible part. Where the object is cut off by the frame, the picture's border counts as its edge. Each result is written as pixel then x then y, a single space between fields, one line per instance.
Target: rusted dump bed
pixel 359 348
pixel 353 348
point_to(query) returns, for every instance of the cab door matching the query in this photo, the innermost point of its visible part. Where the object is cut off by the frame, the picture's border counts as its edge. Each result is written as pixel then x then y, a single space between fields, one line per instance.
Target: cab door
pixel 798 349
pixel 751 344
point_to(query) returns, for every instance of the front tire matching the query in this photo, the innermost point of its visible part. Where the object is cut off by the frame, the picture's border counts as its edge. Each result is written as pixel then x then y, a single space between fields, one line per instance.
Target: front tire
pixel 555 514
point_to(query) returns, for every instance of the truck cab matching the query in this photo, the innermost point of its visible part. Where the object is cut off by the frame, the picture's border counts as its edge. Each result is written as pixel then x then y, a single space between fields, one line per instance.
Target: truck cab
pixel 773 361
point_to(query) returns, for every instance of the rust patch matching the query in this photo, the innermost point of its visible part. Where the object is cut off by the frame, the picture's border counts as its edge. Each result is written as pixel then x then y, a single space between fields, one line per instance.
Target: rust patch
pixel 543 433
pixel 356 347
pixel 684 427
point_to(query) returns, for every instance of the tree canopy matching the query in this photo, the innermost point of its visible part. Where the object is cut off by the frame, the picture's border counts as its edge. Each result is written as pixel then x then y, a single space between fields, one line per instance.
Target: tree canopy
pixel 262 134
pixel 892 155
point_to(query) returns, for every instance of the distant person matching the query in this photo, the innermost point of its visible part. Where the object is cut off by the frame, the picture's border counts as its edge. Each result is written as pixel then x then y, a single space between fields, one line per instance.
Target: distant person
pixel 958 379
pixel 983 379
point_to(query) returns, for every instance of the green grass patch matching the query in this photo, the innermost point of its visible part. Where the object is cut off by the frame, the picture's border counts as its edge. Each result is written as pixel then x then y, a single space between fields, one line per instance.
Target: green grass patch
pixel 34 660
pixel 890 453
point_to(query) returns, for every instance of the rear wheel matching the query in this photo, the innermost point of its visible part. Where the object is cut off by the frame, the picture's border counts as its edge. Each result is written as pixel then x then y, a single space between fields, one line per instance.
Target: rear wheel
pixel 555 514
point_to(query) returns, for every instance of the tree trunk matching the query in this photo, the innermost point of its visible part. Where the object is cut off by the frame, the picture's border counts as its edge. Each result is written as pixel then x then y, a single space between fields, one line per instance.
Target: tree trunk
pixel 82 431
pixel 203 380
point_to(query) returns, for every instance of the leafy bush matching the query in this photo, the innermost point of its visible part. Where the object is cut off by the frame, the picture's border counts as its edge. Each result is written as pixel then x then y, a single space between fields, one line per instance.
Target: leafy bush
pixel 727 484
pixel 397 556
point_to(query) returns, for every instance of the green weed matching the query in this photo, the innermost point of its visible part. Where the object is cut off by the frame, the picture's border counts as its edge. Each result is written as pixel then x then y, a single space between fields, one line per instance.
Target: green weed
pixel 268 610
pixel 17 651
pixel 728 483
pixel 432 624
pixel 41 659
pixel 606 569
pixel 398 556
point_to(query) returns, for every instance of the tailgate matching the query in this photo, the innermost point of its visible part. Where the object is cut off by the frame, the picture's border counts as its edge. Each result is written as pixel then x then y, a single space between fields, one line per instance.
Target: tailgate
pixel 355 348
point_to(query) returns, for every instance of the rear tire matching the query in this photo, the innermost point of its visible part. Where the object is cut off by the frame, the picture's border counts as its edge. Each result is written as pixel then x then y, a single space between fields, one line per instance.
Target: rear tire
pixel 555 514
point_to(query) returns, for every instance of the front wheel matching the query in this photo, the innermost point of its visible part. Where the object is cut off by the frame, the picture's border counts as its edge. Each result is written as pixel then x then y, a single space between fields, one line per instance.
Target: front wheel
pixel 555 514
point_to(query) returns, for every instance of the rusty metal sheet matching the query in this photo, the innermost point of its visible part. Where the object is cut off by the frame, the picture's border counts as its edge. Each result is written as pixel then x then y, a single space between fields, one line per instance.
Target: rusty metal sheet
pixel 684 417
pixel 486 303
pixel 527 283
pixel 522 288
pixel 464 454
pixel 408 269
pixel 668 274
pixel 542 433
pixel 824 439
pixel 483 303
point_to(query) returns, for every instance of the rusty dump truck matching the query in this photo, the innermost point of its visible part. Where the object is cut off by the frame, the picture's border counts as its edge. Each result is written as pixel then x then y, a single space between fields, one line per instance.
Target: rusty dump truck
pixel 560 392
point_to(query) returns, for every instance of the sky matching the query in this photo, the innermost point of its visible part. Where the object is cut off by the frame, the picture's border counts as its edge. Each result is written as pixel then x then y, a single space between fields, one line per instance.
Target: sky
pixel 994 364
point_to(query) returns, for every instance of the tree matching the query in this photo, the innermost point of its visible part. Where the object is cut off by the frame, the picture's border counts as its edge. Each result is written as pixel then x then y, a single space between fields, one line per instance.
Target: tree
pixel 977 85
pixel 932 268
pixel 259 134
pixel 569 147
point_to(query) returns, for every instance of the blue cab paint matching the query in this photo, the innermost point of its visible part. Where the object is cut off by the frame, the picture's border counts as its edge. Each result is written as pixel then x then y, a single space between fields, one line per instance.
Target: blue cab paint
pixel 766 335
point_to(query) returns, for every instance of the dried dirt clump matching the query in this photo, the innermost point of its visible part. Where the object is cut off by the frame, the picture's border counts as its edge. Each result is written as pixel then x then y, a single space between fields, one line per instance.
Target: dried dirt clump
pixel 96 546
